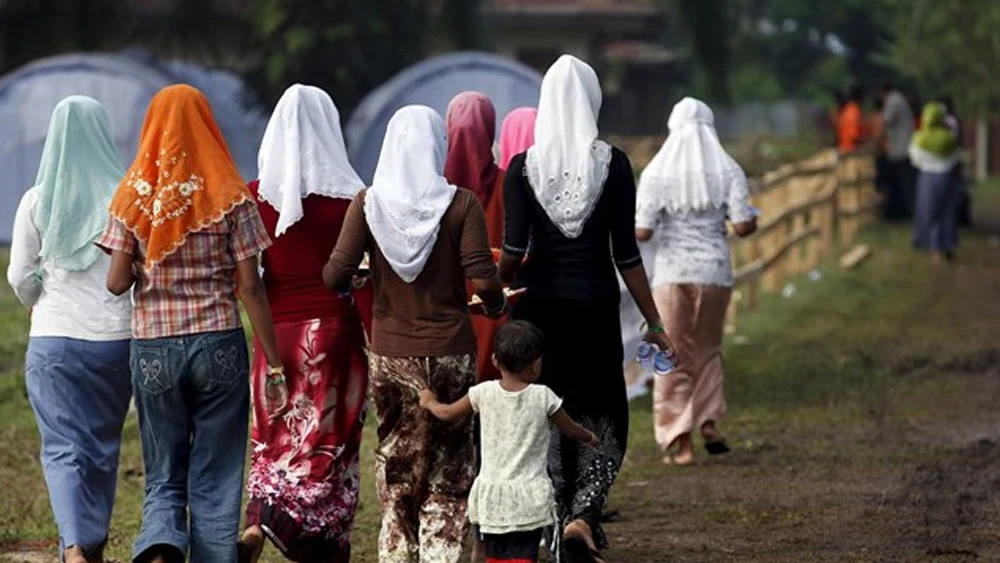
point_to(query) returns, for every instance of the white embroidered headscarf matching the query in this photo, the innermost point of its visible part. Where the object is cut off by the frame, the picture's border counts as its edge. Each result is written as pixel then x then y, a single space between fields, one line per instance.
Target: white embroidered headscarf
pixel 692 171
pixel 568 165
pixel 303 153
pixel 409 193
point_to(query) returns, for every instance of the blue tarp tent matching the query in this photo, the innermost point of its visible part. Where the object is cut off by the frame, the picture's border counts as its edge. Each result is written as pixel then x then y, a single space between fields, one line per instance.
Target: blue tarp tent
pixel 434 83
pixel 124 83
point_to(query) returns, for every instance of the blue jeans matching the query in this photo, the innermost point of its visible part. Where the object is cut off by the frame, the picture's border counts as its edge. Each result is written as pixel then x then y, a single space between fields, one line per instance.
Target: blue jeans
pixel 192 394
pixel 79 391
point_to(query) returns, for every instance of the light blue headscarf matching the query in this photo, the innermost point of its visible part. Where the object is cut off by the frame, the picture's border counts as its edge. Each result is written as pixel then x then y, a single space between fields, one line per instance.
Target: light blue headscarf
pixel 79 173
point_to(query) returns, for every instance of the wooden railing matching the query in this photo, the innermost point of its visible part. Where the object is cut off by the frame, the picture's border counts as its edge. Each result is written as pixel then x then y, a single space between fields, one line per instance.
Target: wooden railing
pixel 806 208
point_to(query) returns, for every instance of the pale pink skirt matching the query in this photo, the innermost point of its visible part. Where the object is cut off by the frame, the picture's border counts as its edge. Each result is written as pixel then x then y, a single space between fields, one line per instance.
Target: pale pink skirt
pixel 691 395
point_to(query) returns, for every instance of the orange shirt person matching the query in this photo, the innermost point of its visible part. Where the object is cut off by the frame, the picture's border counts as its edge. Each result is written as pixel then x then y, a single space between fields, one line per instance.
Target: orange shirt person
pixel 851 125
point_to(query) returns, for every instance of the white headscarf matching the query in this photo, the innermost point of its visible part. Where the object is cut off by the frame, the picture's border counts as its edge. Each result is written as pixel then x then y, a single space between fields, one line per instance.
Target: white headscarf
pixel 303 153
pixel 568 165
pixel 691 172
pixel 409 194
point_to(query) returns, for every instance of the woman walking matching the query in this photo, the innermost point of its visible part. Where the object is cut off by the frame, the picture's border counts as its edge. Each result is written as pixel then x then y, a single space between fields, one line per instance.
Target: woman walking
pixel 686 195
pixel 934 151
pixel 517 134
pixel 471 123
pixel 424 238
pixel 77 361
pixel 571 194
pixel 304 478
pixel 186 233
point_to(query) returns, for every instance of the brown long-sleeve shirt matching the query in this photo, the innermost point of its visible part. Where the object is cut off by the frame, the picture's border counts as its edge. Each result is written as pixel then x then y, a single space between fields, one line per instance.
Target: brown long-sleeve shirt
pixel 429 317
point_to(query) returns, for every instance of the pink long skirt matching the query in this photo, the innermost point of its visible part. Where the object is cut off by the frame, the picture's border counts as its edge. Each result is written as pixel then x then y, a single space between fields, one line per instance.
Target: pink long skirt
pixel 691 395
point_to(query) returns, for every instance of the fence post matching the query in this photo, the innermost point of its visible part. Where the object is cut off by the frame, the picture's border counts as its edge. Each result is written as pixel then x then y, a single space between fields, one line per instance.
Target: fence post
pixel 848 200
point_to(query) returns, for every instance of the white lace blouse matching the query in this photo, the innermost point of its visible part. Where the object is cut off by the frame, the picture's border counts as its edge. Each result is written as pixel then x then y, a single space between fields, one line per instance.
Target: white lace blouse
pixel 691 247
pixel 513 492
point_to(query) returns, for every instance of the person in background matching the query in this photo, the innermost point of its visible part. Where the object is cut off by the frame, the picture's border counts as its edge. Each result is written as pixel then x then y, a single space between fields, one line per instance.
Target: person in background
pixel 424 238
pixel 897 124
pixel 185 232
pixel 304 474
pixel 934 152
pixel 954 122
pixel 471 123
pixel 851 122
pixel 877 130
pixel 512 499
pixel 916 108
pixel 687 193
pixel 573 197
pixel 517 134
pixel 76 366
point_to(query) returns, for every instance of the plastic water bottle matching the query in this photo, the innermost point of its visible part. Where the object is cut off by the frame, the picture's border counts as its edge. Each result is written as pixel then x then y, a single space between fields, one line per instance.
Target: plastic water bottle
pixel 662 364
pixel 651 358
pixel 646 355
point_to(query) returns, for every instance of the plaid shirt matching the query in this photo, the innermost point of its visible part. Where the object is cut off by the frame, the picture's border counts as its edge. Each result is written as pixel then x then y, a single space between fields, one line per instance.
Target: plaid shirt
pixel 193 290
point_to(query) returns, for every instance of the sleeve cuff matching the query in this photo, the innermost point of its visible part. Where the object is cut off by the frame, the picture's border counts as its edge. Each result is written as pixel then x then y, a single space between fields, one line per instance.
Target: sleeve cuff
pixel 634 261
pixel 513 250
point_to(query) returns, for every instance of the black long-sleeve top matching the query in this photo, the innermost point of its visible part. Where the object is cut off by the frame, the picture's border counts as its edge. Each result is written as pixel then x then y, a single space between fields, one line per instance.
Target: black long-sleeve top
pixel 582 267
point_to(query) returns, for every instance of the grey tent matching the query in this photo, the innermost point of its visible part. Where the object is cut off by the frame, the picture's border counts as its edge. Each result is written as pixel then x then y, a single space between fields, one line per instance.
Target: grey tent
pixel 434 83
pixel 124 83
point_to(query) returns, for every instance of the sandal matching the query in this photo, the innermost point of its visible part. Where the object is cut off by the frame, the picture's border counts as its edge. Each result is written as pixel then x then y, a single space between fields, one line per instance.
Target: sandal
pixel 717 446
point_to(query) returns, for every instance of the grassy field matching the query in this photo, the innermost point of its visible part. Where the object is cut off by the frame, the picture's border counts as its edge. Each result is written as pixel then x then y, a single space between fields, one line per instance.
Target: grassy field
pixel 862 409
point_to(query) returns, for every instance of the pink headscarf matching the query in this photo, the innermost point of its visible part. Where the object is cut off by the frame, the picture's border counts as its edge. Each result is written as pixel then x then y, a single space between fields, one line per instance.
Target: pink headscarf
pixel 517 134
pixel 472 123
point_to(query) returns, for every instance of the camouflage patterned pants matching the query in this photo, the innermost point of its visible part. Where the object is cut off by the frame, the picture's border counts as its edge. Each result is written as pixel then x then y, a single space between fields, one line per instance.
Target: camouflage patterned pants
pixel 423 467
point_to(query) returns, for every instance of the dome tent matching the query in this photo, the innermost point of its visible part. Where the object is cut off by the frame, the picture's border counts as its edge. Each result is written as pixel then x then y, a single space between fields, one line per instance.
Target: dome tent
pixel 124 83
pixel 434 82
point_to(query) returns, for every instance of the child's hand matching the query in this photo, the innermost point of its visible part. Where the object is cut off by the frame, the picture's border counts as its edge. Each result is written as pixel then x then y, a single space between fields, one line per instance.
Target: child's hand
pixel 592 440
pixel 426 398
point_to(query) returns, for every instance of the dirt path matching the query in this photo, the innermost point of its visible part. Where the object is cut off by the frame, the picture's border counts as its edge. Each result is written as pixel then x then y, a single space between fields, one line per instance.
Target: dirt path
pixel 906 471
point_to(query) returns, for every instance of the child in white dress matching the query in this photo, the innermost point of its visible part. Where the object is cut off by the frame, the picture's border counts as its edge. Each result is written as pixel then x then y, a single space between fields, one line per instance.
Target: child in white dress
pixel 512 500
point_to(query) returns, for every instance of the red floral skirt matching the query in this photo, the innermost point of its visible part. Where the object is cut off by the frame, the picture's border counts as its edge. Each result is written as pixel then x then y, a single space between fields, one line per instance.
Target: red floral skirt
pixel 304 478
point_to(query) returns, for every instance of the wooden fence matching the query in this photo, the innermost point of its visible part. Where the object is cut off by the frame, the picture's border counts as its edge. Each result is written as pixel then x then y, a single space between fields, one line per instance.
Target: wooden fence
pixel 807 210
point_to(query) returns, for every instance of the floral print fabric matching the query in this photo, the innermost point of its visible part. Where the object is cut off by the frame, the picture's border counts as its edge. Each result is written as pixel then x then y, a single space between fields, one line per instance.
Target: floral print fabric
pixel 304 476
pixel 423 467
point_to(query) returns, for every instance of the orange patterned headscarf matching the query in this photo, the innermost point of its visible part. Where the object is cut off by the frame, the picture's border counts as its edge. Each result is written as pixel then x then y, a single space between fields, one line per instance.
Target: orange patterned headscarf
pixel 183 178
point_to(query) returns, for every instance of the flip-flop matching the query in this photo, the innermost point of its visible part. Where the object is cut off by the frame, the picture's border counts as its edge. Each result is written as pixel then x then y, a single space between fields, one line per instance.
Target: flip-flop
pixel 717 446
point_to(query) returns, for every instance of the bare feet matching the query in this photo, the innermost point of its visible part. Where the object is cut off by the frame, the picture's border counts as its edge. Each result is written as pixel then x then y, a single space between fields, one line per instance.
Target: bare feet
pixel 578 541
pixel 251 545
pixel 684 454
pixel 75 555
pixel 937 258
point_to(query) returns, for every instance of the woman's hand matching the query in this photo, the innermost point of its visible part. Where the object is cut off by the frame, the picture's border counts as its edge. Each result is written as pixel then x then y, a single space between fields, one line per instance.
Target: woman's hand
pixel 660 340
pixel 592 440
pixel 275 398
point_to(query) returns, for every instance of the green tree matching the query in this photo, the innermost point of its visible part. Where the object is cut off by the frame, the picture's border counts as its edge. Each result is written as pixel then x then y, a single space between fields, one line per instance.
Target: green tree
pixel 460 20
pixel 787 48
pixel 31 29
pixel 814 47
pixel 706 25
pixel 950 47
pixel 346 47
